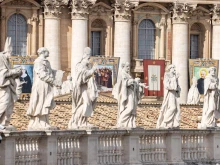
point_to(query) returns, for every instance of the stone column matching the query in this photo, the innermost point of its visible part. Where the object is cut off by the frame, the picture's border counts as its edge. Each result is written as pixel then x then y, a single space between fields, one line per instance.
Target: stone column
pixel 162 37
pixel 3 28
pixel 216 34
pixel 79 30
pixel 34 33
pixel 52 11
pixel 122 36
pixel 180 47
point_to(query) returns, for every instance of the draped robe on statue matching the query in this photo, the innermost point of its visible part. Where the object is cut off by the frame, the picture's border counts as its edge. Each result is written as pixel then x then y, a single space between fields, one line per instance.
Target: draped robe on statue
pixel 128 97
pixel 210 111
pixel 193 95
pixel 41 101
pixel 7 90
pixel 169 116
pixel 84 96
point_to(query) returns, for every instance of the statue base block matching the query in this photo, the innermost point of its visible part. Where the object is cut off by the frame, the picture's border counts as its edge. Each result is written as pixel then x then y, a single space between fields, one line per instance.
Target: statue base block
pixel 10 128
pixel 52 128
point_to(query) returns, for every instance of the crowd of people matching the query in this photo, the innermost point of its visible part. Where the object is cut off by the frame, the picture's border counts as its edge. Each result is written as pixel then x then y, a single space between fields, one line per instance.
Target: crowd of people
pixel 103 76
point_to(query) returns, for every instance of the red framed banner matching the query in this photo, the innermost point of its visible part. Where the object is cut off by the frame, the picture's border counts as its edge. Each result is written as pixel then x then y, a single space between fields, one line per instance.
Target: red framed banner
pixel 153 77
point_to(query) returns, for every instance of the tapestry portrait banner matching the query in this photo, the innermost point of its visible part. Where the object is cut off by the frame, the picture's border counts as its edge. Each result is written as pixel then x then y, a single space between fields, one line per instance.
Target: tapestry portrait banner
pixel 199 68
pixel 153 77
pixel 26 63
pixel 106 72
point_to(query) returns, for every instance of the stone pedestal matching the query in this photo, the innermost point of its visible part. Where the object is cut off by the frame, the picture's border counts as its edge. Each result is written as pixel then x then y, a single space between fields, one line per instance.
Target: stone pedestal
pixel 89 144
pixel 8 147
pixel 48 149
pixel 132 150
pixel 212 143
pixel 173 145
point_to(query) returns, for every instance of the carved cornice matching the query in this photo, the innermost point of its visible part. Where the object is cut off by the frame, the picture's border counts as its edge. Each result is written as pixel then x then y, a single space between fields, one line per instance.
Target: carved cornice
pixel 122 9
pixel 100 9
pixel 80 8
pixel 52 8
pixel 19 3
pixel 215 11
pixel 181 12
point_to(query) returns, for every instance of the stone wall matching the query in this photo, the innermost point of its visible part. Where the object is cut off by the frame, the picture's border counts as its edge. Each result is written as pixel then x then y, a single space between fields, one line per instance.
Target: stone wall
pixel 112 147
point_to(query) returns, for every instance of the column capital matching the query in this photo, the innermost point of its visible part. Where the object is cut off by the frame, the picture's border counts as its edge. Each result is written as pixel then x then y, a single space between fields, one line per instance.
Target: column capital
pixel 80 8
pixel 181 12
pixel 215 14
pixel 52 9
pixel 123 8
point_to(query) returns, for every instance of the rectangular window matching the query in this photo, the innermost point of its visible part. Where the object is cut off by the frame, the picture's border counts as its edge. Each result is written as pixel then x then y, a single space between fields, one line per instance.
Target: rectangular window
pixel 194 46
pixel 95 43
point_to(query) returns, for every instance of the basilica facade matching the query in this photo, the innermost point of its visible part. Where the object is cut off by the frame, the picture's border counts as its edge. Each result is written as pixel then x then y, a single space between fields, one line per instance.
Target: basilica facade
pixel 130 29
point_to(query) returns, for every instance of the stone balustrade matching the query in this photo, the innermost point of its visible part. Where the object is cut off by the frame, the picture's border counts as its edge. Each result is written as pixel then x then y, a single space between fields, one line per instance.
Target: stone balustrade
pixel 110 147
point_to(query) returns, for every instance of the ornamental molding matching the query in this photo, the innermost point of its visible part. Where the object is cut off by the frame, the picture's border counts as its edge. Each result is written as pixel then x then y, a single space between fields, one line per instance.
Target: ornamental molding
pixel 215 11
pixel 100 9
pixel 182 12
pixel 122 9
pixel 52 8
pixel 200 13
pixel 19 3
pixel 80 8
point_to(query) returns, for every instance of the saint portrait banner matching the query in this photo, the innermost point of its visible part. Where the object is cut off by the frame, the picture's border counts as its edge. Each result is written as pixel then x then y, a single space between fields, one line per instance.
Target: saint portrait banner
pixel 106 72
pixel 26 63
pixel 199 68
pixel 153 77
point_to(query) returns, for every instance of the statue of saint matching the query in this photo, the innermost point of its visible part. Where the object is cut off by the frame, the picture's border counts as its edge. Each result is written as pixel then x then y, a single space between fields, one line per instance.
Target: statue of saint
pixel 41 101
pixel 210 112
pixel 9 77
pixel 193 95
pixel 84 93
pixel 169 116
pixel 67 86
pixel 128 92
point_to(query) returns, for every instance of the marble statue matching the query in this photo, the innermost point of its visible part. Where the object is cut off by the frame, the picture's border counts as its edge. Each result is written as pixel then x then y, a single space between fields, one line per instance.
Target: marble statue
pixel 169 116
pixel 84 93
pixel 193 95
pixel 128 92
pixel 41 101
pixel 211 109
pixel 8 85
pixel 67 86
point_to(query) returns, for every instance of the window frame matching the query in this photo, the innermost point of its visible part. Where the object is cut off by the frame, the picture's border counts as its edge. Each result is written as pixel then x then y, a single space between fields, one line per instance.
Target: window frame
pixel 155 35
pixel 27 28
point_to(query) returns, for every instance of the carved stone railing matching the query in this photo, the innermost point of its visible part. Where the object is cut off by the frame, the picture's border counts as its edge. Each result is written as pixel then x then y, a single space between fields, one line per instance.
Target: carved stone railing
pixel 153 148
pixel 194 147
pixel 110 147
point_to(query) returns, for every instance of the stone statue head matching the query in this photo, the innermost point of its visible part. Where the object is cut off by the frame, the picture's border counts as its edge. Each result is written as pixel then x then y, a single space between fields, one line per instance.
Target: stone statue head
pixel 126 67
pixel 86 56
pixel 43 52
pixel 212 71
pixel 171 68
